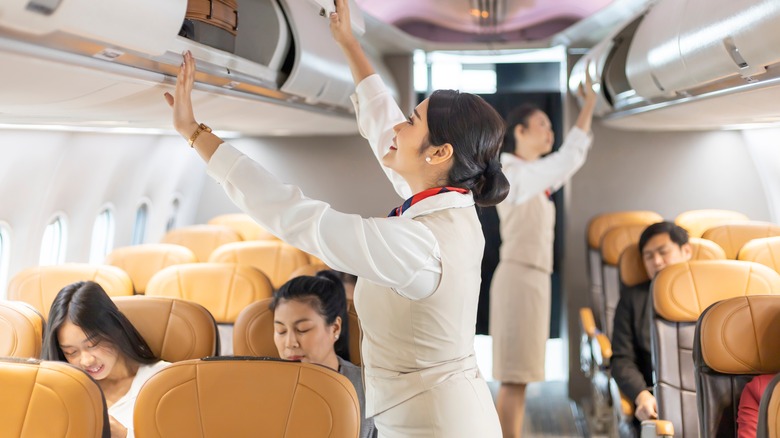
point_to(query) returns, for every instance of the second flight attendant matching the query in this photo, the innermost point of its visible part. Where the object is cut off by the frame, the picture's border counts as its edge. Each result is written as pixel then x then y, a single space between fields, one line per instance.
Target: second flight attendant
pixel 520 291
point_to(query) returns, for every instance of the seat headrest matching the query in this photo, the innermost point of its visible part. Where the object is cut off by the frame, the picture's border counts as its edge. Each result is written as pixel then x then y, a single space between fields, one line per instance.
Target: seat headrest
pixel 21 330
pixel 48 399
pixel 617 239
pixel 739 335
pixel 274 258
pixel 600 224
pixel 632 267
pixel 696 222
pixel 142 261
pixel 244 225
pixel 224 289
pixel 39 285
pixel 732 237
pixel 175 329
pixel 682 291
pixel 201 239
pixel 253 333
pixel 765 251
pixel 241 396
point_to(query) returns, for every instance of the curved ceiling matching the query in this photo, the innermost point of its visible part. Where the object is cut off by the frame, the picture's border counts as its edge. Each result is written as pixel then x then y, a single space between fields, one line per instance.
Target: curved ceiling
pixel 465 21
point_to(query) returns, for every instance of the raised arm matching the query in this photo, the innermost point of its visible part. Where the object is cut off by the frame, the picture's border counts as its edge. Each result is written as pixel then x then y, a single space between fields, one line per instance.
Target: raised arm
pixel 341 28
pixel 588 95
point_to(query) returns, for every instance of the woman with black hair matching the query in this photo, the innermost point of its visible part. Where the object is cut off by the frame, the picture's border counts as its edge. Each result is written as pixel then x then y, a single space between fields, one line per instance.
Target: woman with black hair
pixel 87 330
pixel 520 296
pixel 419 269
pixel 311 325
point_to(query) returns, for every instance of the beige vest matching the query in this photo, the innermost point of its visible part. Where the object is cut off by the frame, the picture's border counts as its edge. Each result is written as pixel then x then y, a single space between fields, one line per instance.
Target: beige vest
pixel 528 231
pixel 411 346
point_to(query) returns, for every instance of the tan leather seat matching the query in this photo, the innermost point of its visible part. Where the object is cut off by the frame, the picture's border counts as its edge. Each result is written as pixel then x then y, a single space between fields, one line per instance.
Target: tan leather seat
pixel 633 273
pixel 175 329
pixel 253 334
pixel 614 242
pixel 765 251
pixel 202 240
pixel 696 222
pixel 680 293
pixel 224 289
pixel 39 285
pixel 243 397
pixel 597 228
pixel 732 237
pixel 769 411
pixel 274 258
pixel 736 339
pixel 21 330
pixel 244 225
pixel 142 261
pixel 50 399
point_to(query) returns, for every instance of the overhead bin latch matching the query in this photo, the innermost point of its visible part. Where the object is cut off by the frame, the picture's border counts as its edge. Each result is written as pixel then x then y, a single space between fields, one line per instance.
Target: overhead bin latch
pixel 43 7
pixel 744 68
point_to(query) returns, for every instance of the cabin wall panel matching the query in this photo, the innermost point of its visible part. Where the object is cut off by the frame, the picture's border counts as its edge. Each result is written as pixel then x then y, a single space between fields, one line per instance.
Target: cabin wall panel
pixel 48 172
pixel 666 172
pixel 339 170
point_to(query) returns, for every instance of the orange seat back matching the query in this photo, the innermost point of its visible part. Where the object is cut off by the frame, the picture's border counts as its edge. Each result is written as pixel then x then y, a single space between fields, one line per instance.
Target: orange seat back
pixel 274 258
pixel 142 261
pixel 632 267
pixel 21 330
pixel 39 285
pixel 202 240
pixel 244 225
pixel 765 251
pixel 696 222
pixel 732 237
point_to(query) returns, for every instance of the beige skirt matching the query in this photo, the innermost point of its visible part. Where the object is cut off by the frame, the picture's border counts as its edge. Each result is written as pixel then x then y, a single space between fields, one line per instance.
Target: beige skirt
pixel 519 322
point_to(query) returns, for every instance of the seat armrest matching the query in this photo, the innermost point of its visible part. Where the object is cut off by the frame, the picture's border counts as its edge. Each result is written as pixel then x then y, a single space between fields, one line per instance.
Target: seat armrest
pixel 602 350
pixel 657 428
pixel 588 322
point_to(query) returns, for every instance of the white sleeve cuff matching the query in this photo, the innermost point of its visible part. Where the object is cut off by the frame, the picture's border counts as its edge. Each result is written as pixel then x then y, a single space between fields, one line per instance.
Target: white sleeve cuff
pixel 222 161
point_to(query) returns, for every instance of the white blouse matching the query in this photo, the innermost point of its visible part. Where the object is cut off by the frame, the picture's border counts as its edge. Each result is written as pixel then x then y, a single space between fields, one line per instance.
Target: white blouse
pixel 122 410
pixel 395 252
pixel 530 178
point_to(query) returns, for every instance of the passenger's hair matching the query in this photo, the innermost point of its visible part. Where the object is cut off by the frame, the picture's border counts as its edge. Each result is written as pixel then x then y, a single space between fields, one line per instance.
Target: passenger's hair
pixel 325 294
pixel 86 305
pixel 676 233
pixel 476 131
pixel 518 116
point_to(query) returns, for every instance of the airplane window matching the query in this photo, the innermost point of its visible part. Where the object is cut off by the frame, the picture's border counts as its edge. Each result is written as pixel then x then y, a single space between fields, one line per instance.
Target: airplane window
pixel 171 224
pixel 102 236
pixel 139 229
pixel 53 244
pixel 5 250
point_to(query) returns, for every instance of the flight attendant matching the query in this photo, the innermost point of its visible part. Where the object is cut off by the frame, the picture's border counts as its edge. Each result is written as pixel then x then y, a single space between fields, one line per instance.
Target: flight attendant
pixel 419 269
pixel 520 291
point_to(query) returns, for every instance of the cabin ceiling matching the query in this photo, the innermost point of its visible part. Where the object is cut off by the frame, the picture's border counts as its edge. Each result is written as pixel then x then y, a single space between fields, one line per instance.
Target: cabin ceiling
pixel 482 21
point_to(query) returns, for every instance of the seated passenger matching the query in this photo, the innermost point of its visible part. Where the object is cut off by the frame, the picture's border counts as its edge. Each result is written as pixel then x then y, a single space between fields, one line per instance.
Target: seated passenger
pixel 661 244
pixel 310 325
pixel 747 415
pixel 86 329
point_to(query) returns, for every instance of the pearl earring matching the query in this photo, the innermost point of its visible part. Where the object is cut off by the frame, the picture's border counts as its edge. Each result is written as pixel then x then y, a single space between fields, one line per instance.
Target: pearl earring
pixel 337 337
pixel 428 159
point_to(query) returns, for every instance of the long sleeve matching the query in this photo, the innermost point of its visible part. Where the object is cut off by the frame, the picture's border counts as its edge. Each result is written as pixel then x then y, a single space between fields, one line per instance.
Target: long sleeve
pixel 625 358
pixel 395 252
pixel 528 179
pixel 747 415
pixel 377 114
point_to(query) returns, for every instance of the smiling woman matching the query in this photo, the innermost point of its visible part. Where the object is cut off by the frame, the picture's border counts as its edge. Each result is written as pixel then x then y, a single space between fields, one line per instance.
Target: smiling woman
pixel 87 330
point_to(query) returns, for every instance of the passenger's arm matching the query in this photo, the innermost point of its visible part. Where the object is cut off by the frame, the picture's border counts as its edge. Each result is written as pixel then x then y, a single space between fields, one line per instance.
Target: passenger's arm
pixel 551 172
pixel 747 414
pixel 588 95
pixel 625 369
pixel 396 252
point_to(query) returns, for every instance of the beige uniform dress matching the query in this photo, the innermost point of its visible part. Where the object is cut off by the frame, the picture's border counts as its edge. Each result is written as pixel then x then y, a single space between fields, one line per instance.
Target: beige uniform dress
pixel 520 291
pixel 418 288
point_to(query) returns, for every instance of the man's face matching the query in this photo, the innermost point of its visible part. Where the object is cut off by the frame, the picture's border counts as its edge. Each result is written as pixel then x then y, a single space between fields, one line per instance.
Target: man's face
pixel 660 252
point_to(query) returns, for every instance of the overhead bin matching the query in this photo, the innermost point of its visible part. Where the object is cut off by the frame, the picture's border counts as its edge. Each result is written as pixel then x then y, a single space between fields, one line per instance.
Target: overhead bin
pixel 145 26
pixel 692 54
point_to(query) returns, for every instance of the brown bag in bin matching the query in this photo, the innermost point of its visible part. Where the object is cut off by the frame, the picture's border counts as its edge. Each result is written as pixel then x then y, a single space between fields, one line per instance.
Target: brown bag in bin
pixel 212 22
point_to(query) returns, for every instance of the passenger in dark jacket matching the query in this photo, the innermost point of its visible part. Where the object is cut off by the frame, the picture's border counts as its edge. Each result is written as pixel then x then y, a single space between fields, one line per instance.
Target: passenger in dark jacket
pixel 661 245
